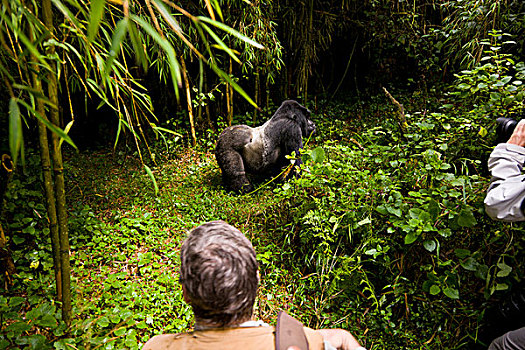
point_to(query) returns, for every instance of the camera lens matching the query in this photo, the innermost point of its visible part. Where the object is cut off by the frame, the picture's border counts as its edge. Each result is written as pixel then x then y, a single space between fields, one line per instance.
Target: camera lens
pixel 504 129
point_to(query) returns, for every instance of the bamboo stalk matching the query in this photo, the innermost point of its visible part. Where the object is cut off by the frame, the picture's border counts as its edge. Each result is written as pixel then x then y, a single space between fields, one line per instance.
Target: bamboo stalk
pixel 48 185
pixel 52 88
pixel 188 98
pixel 230 87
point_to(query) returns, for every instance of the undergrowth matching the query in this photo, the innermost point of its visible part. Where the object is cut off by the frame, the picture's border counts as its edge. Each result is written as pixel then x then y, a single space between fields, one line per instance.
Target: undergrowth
pixel 384 234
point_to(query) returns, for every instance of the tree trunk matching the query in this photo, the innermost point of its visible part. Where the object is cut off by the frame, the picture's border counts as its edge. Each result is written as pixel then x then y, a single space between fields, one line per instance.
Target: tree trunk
pixel 188 98
pixel 52 89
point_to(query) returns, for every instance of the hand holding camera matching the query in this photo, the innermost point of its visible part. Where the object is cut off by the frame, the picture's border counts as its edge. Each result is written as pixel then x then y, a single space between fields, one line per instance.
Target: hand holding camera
pixel 510 131
pixel 518 136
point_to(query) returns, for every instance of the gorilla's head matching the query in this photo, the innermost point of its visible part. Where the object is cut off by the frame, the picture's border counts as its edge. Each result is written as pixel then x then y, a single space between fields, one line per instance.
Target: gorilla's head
pixel 299 114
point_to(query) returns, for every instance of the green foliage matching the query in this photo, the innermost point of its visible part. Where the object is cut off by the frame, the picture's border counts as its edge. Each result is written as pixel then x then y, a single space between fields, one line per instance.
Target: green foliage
pixel 494 87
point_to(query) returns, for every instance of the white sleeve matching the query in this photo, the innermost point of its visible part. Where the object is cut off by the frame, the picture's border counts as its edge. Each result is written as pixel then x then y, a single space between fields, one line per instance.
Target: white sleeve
pixel 506 192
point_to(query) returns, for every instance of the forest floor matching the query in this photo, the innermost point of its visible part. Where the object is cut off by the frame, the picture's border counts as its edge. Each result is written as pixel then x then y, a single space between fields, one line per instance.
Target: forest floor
pixel 383 235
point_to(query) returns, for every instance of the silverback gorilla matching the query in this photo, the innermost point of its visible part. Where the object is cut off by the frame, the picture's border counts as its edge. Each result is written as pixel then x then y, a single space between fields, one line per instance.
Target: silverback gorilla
pixel 262 150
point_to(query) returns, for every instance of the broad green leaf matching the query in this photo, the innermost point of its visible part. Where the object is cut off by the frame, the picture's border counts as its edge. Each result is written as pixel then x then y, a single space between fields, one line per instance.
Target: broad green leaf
pixel 462 253
pixel 434 290
pixel 318 155
pixel 231 31
pixel 433 209
pixel 466 218
pixel 35 341
pixel 429 245
pixel 17 328
pixel 65 344
pixel 150 174
pixel 504 271
pixel 103 322
pixel 482 131
pixel 452 293
pixel 95 16
pixel 410 238
pixel 470 264
pixel 16 138
pixel 47 321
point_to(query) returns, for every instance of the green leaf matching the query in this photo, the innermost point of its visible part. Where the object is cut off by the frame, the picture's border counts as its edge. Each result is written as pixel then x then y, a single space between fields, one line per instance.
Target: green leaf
pixel 433 209
pixel 36 341
pixel 318 155
pixel 230 81
pixel 466 218
pixel 24 39
pixel 103 322
pixel 410 238
pixel 119 34
pixel 141 55
pixel 95 16
pixel 175 72
pixel 16 138
pixel 48 124
pixel 470 264
pixel 462 253
pixel 221 44
pixel 64 344
pixel 231 31
pixel 17 328
pixel 47 321
pixel 452 293
pixel 150 174
pixel 429 245
pixel 434 290
pixel 381 209
pixel 504 271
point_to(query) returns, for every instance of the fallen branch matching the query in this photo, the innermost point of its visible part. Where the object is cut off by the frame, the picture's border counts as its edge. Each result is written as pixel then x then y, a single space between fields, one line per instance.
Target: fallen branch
pixel 401 119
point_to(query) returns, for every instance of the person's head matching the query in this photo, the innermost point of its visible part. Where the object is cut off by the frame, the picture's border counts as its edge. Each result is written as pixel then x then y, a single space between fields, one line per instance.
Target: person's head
pixel 219 274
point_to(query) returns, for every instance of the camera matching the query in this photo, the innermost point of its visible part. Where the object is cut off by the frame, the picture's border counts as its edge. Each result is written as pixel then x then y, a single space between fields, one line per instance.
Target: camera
pixel 504 129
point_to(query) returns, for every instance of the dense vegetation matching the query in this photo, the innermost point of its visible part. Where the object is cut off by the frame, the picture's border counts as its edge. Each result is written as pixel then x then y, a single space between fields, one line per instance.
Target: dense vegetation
pixel 384 234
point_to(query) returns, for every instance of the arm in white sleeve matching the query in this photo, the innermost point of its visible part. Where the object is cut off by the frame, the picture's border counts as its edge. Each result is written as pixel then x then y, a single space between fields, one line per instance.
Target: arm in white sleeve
pixel 506 192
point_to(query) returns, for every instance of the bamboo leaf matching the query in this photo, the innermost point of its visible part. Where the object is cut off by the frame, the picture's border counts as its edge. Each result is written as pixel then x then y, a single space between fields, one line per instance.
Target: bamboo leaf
pixel 150 174
pixel 168 49
pixel 118 36
pixel 35 93
pixel 217 8
pixel 230 81
pixel 95 16
pixel 138 47
pixel 231 31
pixel 158 128
pixel 66 130
pixel 221 44
pixel 15 129
pixel 48 124
pixel 28 44
pixel 65 11
pixel 118 133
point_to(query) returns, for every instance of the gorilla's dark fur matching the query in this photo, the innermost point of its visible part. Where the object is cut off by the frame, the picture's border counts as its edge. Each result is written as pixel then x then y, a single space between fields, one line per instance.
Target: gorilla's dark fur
pixel 262 150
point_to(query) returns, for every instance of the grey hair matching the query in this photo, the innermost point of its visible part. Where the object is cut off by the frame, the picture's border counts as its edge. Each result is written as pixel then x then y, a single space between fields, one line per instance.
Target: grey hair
pixel 219 272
